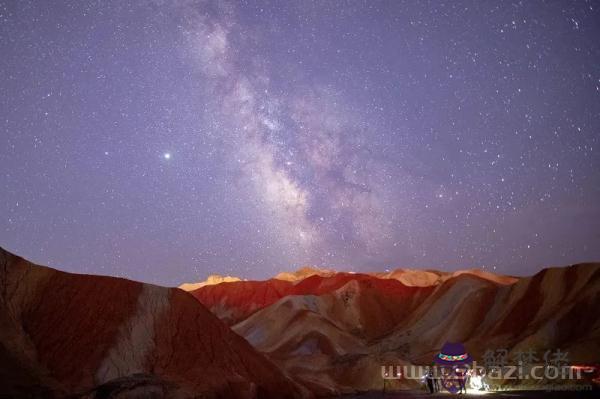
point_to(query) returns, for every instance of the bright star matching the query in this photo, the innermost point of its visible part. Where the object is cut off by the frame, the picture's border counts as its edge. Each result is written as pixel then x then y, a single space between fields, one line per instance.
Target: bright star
pixel 167 155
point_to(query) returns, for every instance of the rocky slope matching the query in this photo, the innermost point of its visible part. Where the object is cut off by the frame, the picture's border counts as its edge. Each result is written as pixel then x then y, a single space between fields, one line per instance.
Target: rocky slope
pixel 239 299
pixel 333 331
pixel 100 337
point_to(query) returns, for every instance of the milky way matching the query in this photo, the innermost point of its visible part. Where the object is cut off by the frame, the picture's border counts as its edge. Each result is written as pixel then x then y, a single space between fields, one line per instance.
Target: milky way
pixel 165 141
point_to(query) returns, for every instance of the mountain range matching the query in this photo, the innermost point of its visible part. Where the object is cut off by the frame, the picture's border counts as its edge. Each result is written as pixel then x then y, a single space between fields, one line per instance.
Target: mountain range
pixel 333 330
pixel 313 332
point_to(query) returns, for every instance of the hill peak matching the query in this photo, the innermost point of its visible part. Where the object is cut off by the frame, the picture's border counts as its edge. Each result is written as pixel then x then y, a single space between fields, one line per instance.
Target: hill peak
pixel 211 280
pixel 304 272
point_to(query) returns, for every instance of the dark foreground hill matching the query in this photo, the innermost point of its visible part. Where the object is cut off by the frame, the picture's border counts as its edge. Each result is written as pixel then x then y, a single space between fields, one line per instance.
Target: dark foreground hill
pixel 74 335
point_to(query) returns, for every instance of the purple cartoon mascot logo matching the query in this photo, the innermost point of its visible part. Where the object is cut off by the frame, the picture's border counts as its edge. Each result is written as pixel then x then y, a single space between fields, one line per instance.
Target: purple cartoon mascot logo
pixel 453 361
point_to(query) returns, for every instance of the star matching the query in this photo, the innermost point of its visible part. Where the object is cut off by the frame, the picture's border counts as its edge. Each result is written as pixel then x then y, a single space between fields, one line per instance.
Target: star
pixel 167 155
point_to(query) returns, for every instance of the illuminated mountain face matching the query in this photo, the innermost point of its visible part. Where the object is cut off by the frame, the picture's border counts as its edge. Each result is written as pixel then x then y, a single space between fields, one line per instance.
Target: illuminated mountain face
pixel 335 331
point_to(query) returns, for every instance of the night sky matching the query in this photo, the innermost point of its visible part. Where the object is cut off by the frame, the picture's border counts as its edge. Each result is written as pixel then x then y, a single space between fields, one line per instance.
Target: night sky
pixel 167 140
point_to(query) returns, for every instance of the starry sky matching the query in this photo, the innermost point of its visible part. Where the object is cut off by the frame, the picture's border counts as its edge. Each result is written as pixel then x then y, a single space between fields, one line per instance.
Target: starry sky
pixel 167 140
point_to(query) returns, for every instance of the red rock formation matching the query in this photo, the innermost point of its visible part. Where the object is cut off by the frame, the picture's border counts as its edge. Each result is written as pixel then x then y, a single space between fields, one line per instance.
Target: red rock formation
pixel 65 333
pixel 334 331
pixel 235 301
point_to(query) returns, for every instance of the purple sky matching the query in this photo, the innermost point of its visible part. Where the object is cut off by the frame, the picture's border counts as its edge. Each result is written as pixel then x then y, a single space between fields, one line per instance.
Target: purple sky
pixel 165 140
